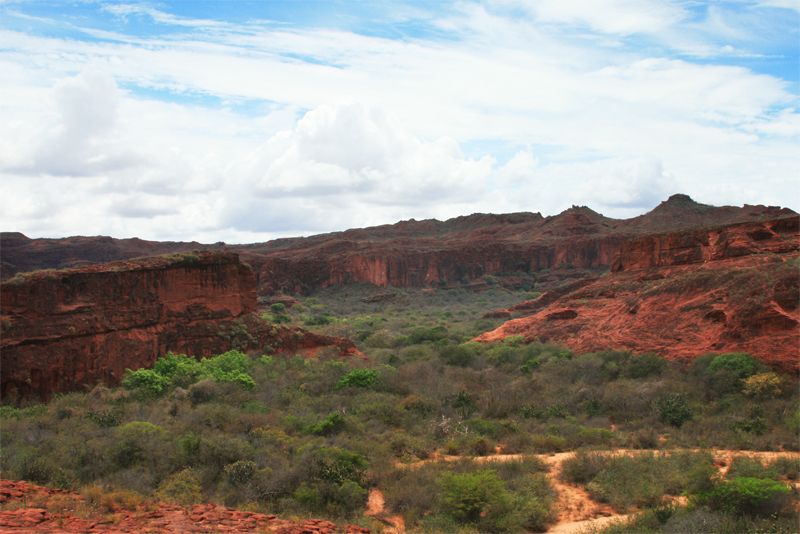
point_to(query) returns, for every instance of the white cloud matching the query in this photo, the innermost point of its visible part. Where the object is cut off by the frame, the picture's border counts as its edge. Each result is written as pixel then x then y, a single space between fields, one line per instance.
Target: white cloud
pixel 357 130
pixel 608 16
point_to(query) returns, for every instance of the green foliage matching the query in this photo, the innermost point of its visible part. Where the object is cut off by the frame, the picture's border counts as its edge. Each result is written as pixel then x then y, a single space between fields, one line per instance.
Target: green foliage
pixel 472 497
pixel 240 472
pixel 763 385
pixel 739 364
pixel 458 355
pixel 641 480
pixel 333 464
pixel 331 424
pixel 182 487
pixel 583 467
pixel 359 378
pixel 146 383
pixel 645 366
pixel 674 409
pixel 278 307
pixel 747 495
pixel 231 366
pixel 426 334
pixel 464 403
pixel 179 370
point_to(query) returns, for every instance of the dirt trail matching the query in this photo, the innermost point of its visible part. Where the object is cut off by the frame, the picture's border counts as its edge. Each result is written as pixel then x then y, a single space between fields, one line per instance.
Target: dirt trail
pixel 577 511
pixel 376 507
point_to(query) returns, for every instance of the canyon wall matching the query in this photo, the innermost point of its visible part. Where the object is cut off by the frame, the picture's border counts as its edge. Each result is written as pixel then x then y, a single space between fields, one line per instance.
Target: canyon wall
pixel 729 289
pixel 458 251
pixel 65 329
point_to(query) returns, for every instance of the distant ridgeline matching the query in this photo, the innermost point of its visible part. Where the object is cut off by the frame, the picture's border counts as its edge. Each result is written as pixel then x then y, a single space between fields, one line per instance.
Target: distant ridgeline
pixel 683 279
pixel 459 251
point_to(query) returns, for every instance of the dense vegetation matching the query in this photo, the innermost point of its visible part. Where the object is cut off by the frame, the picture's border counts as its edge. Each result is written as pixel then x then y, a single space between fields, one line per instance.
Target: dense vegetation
pixel 309 437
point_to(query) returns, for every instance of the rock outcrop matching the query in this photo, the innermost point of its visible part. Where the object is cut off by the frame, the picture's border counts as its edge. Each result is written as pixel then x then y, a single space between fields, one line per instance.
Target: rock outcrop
pixel 459 251
pixel 26 507
pixel 65 329
pixel 747 303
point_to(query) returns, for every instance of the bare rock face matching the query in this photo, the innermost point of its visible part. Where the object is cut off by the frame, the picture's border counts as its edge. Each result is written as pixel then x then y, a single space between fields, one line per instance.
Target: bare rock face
pixel 746 303
pixel 64 329
pixel 459 251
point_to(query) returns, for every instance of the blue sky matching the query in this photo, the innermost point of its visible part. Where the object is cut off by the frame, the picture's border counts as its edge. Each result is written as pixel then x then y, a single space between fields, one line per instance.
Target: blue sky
pixel 243 121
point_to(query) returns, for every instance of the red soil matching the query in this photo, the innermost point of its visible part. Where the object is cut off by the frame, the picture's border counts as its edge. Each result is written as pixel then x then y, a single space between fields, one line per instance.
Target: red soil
pixel 26 507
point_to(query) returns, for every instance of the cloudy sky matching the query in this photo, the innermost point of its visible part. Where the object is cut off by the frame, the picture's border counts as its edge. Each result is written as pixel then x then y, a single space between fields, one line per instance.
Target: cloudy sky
pixel 244 121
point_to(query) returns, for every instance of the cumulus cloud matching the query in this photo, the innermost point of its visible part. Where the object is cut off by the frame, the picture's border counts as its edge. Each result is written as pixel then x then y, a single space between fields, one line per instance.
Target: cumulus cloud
pixel 257 130
pixel 340 154
pixel 78 140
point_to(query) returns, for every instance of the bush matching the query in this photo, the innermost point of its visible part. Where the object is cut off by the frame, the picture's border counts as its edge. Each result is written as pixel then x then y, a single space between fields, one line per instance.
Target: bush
pixel 750 496
pixel 739 364
pixel 146 383
pixel 583 467
pixel 331 424
pixel 644 366
pixel 182 487
pixel 359 378
pixel 763 385
pixel 457 355
pixel 240 472
pixel 181 370
pixel 470 498
pixel 231 366
pixel 674 409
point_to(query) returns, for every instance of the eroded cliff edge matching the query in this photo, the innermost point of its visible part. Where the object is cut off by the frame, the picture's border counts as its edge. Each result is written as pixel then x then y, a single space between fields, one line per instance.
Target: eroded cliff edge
pixel 65 329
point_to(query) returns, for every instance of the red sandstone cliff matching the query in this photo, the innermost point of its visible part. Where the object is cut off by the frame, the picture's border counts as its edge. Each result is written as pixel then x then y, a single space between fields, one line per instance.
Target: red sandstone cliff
pixel 65 329
pixel 434 253
pixel 727 289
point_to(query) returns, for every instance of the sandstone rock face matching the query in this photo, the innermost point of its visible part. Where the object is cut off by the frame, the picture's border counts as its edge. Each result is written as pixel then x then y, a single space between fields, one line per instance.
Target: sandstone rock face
pixel 740 304
pixel 458 251
pixel 64 329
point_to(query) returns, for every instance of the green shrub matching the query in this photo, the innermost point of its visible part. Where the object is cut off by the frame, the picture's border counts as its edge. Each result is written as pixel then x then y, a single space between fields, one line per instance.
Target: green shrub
pixel 470 498
pixel 674 409
pixel 583 467
pixel 644 366
pixel 181 370
pixel 336 465
pixel 739 364
pixel 240 472
pixel 426 334
pixel 331 424
pixel 278 307
pixel 750 496
pixel 182 487
pixel 359 378
pixel 146 383
pixel 231 366
pixel 763 385
pixel 457 355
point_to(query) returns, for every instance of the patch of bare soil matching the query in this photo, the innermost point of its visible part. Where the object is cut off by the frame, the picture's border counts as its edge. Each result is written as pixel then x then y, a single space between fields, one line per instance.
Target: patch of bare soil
pixel 376 507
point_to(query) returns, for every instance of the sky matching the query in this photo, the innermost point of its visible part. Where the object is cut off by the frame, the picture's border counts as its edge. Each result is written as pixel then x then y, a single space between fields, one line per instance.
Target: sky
pixel 243 121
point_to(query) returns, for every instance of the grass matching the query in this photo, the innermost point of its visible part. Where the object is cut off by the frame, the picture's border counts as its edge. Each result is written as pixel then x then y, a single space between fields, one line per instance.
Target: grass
pixel 309 437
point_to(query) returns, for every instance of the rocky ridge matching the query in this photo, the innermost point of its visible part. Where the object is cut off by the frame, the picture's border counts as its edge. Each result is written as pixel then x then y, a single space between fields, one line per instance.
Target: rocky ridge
pixel 427 253
pixel 65 329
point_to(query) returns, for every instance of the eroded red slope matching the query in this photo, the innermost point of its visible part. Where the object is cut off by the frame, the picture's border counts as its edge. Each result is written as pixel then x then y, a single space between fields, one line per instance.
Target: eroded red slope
pixel 745 303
